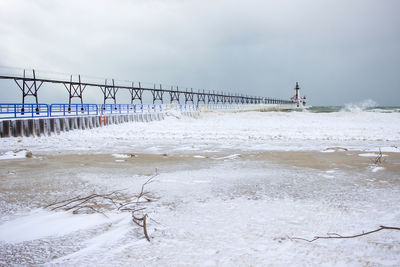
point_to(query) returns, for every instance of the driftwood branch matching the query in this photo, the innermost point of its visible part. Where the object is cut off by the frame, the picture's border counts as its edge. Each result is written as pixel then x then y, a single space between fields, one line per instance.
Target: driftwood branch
pixel 144 194
pixel 141 221
pixel 378 159
pixel 337 236
pixel 100 203
pixel 78 203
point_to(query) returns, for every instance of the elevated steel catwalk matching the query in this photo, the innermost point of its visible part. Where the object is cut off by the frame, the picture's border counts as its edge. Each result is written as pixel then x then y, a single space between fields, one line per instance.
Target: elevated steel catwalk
pixel 30 86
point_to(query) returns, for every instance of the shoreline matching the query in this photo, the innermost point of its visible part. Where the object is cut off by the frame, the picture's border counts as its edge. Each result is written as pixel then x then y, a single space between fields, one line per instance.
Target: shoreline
pixel 249 203
pixel 308 159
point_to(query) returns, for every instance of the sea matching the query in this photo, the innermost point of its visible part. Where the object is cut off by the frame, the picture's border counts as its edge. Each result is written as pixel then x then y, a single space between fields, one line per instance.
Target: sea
pixel 364 106
pixel 352 108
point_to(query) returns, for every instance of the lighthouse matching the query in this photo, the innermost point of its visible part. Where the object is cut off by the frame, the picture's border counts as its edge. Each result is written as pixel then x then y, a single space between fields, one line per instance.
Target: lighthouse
pixel 297 88
pixel 300 101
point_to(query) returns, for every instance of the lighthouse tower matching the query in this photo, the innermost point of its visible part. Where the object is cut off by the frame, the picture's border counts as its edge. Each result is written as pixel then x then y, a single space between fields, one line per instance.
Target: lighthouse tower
pixel 300 101
pixel 297 88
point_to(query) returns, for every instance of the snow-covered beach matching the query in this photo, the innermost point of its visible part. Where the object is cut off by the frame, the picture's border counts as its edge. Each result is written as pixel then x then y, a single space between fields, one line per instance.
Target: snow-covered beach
pixel 231 189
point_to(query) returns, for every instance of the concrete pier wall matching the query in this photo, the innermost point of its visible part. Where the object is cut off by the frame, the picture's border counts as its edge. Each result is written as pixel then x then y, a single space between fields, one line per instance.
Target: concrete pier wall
pixel 49 126
pixel 56 125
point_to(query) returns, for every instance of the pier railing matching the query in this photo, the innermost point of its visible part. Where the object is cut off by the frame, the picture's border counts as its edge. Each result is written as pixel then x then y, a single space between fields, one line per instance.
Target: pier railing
pixel 66 110
pixel 12 110
pixel 187 107
pixel 129 108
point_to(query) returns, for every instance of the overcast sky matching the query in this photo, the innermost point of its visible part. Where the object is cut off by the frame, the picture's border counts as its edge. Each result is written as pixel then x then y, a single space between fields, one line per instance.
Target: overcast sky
pixel 340 51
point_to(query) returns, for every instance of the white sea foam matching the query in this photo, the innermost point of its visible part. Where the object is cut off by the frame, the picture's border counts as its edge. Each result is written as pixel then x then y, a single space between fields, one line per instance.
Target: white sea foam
pixel 215 131
pixel 361 106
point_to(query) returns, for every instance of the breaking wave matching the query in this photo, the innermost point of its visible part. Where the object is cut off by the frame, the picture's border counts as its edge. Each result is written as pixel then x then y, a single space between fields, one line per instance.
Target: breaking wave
pixel 365 105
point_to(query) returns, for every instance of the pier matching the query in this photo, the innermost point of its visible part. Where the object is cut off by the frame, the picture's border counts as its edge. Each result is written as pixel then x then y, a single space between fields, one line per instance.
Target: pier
pixel 39 119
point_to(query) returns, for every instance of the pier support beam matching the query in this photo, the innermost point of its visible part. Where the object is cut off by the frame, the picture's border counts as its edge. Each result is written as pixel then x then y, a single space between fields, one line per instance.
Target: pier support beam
pixel 109 91
pixel 211 98
pixel 136 93
pixel 75 90
pixel 220 99
pixel 201 97
pixel 29 87
pixel 174 95
pixel 189 96
pixel 157 94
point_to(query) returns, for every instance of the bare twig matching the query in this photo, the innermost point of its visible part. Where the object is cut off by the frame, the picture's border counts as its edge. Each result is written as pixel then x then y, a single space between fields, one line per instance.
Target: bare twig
pixel 378 159
pixel 142 192
pixel 337 236
pixel 78 201
pixel 141 221
pixel 97 203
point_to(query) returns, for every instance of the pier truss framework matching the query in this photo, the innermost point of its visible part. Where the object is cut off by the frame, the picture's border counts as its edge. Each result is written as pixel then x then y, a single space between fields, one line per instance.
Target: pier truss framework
pixel 30 86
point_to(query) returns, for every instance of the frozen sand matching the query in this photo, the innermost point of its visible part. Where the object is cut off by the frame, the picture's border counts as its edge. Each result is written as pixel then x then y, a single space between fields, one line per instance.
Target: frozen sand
pixel 217 210
pixel 229 192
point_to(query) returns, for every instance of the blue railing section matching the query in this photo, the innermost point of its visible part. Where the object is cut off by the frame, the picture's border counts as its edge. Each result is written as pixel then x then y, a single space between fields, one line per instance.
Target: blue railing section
pixel 220 106
pixel 117 109
pixel 11 110
pixel 65 110
pixel 187 107
pixel 129 108
pixel 239 106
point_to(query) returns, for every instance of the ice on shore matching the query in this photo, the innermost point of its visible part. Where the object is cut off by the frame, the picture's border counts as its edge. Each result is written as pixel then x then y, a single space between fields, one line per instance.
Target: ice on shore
pixel 121 156
pixel 220 200
pixel 371 155
pixel 41 223
pixel 16 154
pixel 243 131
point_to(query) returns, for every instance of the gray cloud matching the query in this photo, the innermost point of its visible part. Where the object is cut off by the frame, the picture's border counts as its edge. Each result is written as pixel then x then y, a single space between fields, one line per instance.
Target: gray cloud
pixel 340 51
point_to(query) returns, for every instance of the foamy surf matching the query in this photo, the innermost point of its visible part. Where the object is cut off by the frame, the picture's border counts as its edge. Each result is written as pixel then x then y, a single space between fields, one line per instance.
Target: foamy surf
pixel 361 106
pixel 220 131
